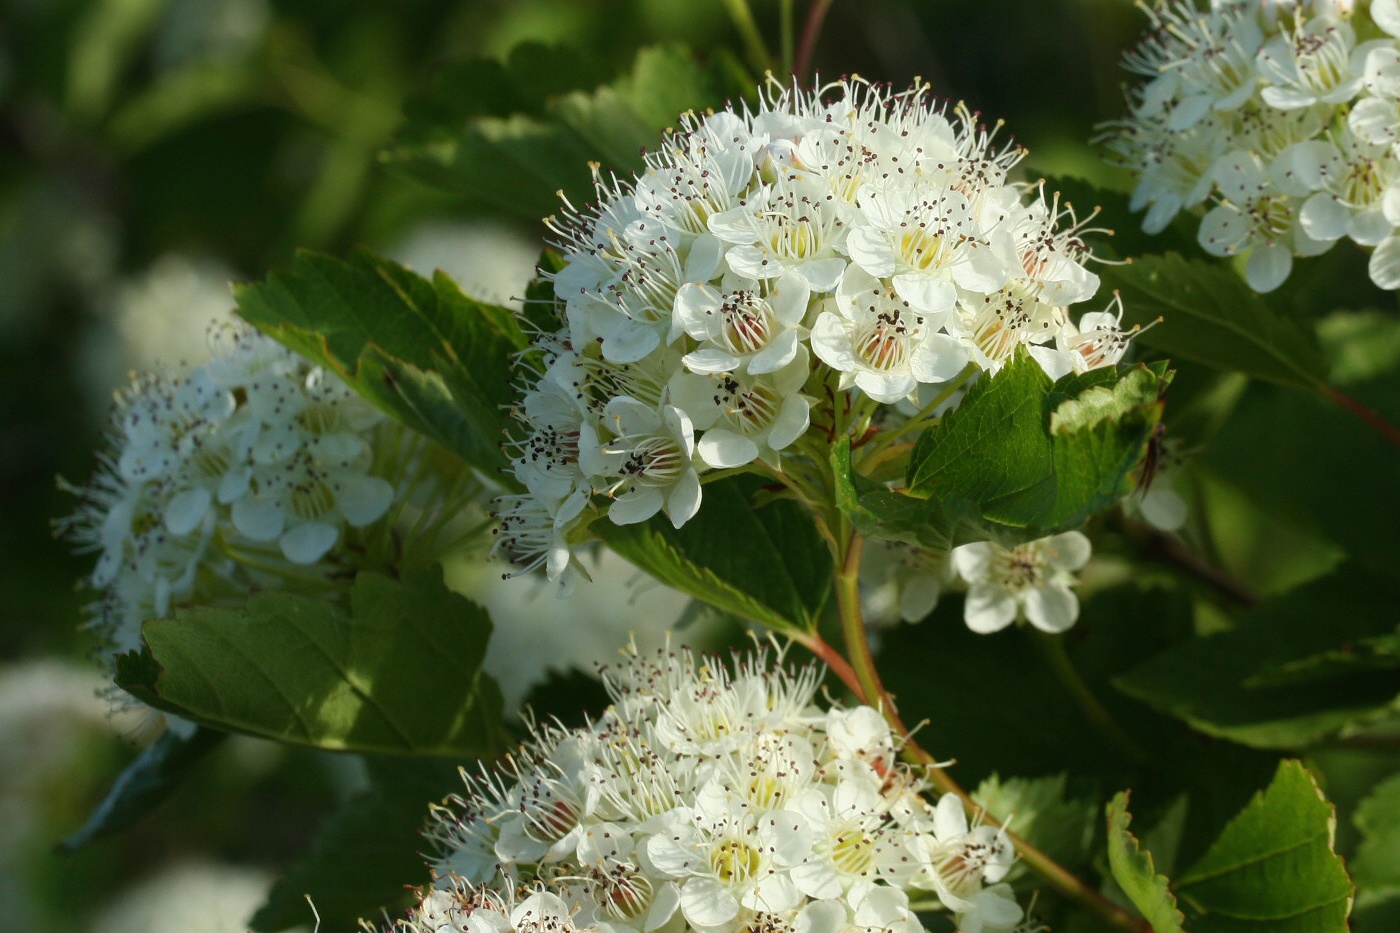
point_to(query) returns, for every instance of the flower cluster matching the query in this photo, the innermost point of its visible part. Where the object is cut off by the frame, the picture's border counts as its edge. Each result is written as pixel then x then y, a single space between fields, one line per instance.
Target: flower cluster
pixel 240 474
pixel 1031 581
pixel 711 798
pixel 769 270
pixel 1284 116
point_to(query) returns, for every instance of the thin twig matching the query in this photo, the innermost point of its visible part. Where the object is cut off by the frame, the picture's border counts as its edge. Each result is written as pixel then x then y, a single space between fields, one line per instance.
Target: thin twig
pixel 811 32
pixel 1374 421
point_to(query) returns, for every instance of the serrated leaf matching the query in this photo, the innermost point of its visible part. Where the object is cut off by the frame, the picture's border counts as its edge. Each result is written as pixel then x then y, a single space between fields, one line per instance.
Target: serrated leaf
pixel 1272 867
pixel 1019 458
pixel 1135 873
pixel 399 673
pixel 767 564
pixel 144 783
pixel 1377 862
pixel 420 350
pixel 537 137
pixel 1041 813
pixel 365 853
pixel 1211 682
pixel 1211 316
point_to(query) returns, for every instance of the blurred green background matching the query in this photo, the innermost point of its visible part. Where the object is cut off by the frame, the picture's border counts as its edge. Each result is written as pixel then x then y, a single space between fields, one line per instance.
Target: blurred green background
pixel 153 150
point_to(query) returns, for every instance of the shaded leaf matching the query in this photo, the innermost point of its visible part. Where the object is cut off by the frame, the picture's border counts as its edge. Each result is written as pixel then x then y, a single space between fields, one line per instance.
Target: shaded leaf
pixel 1211 316
pixel 1377 862
pixel 1272 867
pixel 1044 814
pixel 365 853
pixel 1019 458
pixel 547 113
pixel 1133 869
pixel 420 350
pixel 400 673
pixel 144 783
pixel 1222 684
pixel 764 563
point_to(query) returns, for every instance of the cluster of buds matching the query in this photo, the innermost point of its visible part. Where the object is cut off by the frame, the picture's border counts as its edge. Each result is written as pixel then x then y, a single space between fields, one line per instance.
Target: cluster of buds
pixel 1284 117
pixel 844 249
pixel 709 797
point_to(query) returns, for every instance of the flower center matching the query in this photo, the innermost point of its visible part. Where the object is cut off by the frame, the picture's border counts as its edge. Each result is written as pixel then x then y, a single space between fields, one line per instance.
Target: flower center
pixel 854 852
pixel 748 324
pixel 735 862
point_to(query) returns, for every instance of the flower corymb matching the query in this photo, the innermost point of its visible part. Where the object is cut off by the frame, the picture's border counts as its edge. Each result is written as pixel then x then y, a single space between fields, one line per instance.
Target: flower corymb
pixel 710 796
pixel 848 246
pixel 1280 118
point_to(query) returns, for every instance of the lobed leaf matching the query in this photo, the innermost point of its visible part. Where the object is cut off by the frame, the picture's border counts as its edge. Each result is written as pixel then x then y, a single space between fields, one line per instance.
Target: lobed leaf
pixel 1236 684
pixel 1133 869
pixel 418 349
pixel 1209 315
pixel 547 113
pixel 1273 866
pixel 399 673
pixel 767 564
pixel 1020 457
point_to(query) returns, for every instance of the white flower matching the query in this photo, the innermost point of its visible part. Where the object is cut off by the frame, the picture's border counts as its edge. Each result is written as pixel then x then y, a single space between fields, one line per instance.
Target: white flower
pixel 647 458
pixel 712 795
pixel 1291 135
pixel 242 474
pixel 879 343
pixel 745 417
pixel 814 254
pixel 1031 579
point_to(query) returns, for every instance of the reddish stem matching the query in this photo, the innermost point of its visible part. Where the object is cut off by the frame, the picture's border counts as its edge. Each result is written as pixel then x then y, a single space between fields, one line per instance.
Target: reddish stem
pixel 811 31
pixel 1378 424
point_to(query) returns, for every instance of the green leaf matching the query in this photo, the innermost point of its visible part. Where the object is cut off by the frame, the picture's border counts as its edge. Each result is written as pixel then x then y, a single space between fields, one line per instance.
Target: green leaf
pixel 1272 867
pixel 1133 869
pixel 1019 457
pixel 1305 459
pixel 420 350
pixel 1211 316
pixel 1377 862
pixel 144 783
pixel 1043 814
pixel 1228 685
pixel 764 563
pixel 993 449
pixel 547 113
pixel 400 673
pixel 366 853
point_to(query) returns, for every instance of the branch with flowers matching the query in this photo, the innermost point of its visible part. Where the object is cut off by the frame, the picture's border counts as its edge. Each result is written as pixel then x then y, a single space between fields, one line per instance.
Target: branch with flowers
pixel 828 362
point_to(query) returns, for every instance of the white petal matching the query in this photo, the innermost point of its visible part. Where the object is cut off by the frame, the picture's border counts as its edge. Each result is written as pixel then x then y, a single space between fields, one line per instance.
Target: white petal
pixel 723 449
pixel 1267 267
pixel 710 360
pixel 707 903
pixel 1052 608
pixel 870 250
pixel 1386 14
pixel 820 275
pixel 186 510
pixel 1324 217
pixel 258 519
pixel 973 561
pixel 684 500
pixel 308 543
pixel 1222 231
pixel 1384 266
pixel 363 499
pixel 1162 507
pixel 938 359
pixel 919 597
pixel 233 484
pixel 1069 551
pixel 988 609
pixel 636 506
